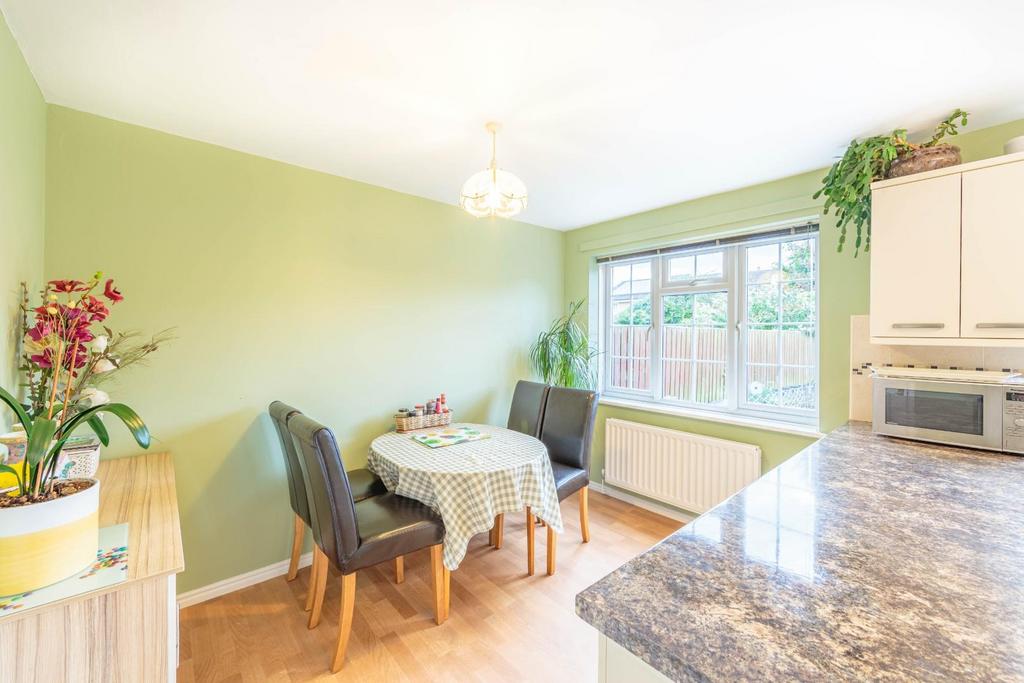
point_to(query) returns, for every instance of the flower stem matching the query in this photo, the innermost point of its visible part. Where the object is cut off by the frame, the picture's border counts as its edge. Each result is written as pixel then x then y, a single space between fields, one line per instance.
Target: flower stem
pixel 56 377
pixel 71 374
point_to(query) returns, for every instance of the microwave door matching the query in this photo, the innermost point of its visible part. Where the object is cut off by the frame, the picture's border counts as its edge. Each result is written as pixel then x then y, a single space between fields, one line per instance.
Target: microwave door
pixel 943 412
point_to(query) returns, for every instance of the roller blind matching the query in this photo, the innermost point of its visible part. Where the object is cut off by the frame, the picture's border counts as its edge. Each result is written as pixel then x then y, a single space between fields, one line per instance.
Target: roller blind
pixel 807 228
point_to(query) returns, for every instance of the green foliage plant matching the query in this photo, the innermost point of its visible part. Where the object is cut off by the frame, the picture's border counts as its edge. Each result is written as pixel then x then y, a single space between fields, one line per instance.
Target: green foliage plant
pixel 847 186
pixel 562 355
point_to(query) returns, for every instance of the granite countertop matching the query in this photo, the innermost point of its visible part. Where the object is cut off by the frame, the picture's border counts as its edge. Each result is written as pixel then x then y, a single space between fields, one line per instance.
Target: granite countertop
pixel 862 557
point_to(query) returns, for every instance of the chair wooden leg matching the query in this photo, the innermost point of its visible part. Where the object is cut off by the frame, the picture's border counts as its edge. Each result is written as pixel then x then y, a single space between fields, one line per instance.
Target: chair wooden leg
pixel 321 588
pixel 584 516
pixel 529 541
pixel 499 530
pixel 348 602
pixel 447 576
pixel 400 569
pixel 314 569
pixel 552 549
pixel 298 532
pixel 438 570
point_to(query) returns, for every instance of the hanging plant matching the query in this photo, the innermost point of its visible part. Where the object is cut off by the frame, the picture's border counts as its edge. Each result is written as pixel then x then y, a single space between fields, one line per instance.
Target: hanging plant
pixel 847 186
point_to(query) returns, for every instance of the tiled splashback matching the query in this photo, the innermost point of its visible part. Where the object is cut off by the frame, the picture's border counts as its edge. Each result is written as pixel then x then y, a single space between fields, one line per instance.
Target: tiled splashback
pixel 864 354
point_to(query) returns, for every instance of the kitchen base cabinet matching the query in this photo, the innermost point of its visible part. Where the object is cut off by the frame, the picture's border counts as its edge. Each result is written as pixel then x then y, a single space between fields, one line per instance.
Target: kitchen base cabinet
pixel 616 664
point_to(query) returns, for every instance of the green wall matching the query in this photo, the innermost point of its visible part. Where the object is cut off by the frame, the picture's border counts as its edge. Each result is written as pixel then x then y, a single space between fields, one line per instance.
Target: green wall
pixel 843 283
pixel 345 299
pixel 22 183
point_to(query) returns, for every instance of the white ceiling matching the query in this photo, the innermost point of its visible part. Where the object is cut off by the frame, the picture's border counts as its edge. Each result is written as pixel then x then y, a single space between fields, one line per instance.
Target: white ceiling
pixel 609 108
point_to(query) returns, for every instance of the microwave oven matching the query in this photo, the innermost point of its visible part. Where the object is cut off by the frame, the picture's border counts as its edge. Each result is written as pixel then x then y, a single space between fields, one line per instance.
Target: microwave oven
pixel 958 413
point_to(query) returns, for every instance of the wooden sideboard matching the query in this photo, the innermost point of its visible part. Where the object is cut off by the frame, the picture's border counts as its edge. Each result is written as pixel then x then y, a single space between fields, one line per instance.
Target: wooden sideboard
pixel 125 632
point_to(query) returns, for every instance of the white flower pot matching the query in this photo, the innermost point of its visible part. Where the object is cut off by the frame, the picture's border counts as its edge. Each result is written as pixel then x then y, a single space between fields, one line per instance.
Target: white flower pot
pixel 44 543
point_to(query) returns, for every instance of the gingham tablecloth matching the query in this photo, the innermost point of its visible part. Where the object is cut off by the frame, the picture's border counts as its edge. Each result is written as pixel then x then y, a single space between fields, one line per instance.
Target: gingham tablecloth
pixel 469 483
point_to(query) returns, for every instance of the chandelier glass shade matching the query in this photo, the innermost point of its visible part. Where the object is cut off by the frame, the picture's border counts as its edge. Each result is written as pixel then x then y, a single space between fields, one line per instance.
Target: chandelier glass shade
pixel 493 192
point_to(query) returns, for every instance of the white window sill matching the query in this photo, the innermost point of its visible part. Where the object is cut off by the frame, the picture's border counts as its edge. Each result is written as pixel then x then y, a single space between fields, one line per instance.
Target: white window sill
pixel 709 416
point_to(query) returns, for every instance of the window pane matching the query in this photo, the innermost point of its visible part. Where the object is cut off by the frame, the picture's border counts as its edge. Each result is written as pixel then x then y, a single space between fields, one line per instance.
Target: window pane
pixel 677 342
pixel 630 279
pixel 798 346
pixel 763 344
pixel 797 260
pixel 618 340
pixel 680 268
pixel 620 312
pixel 710 382
pixel 641 341
pixel 620 280
pixel 677 309
pixel 798 302
pixel 641 375
pixel 641 311
pixel 709 265
pixel 762 263
pixel 675 379
pixel 711 308
pixel 619 373
pixel 762 384
pixel 798 387
pixel 641 278
pixel 762 304
pixel 694 347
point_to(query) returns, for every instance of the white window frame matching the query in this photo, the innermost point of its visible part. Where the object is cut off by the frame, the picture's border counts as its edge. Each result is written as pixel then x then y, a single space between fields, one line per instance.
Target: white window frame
pixel 733 282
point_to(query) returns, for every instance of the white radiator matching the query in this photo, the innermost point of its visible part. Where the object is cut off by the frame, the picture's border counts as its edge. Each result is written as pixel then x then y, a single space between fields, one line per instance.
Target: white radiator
pixel 686 470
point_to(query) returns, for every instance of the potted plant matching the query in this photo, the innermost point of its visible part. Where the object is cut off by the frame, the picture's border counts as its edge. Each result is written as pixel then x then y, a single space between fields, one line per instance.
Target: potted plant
pixel 98 354
pixel 48 525
pixel 562 355
pixel 847 186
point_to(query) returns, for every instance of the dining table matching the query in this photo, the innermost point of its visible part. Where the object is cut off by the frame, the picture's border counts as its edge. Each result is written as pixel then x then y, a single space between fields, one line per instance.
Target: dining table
pixel 469 483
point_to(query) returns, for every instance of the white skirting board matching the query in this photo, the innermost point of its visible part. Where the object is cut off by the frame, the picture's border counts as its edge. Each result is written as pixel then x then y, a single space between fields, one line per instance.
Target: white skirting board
pixel 237 583
pixel 663 510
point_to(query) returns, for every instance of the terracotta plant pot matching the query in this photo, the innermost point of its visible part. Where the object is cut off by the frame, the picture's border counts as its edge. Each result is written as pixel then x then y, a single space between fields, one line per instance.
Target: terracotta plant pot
pixel 924 159
pixel 44 543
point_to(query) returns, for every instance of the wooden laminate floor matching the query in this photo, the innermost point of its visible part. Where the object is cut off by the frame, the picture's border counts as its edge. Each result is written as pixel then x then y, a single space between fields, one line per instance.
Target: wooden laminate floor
pixel 504 625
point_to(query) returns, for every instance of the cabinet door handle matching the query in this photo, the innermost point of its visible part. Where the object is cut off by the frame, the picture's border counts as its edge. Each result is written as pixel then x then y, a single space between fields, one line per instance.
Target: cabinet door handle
pixel 1000 326
pixel 918 326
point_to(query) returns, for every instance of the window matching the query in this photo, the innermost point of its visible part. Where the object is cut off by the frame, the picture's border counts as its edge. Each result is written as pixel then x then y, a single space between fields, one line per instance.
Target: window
pixel 723 327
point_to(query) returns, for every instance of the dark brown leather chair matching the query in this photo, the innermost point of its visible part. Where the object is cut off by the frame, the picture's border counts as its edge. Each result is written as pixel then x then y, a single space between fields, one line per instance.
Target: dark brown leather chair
pixel 568 430
pixel 364 485
pixel 528 407
pixel 525 417
pixel 354 535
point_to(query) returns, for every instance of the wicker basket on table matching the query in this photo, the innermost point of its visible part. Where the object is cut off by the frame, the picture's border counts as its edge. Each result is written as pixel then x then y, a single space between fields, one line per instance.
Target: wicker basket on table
pixel 407 424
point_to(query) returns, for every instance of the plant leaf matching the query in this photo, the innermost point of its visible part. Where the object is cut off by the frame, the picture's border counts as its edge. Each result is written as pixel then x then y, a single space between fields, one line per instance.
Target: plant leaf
pixel 23 417
pixel 101 431
pixel 43 430
pixel 128 416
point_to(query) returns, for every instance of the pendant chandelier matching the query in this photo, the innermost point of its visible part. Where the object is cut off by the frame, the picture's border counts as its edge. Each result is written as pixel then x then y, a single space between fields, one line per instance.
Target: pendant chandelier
pixel 493 192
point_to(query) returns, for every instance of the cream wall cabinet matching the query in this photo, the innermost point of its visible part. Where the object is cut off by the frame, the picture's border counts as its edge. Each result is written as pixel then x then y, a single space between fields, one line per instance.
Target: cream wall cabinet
pixel 946 248
pixel 993 252
pixel 915 259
